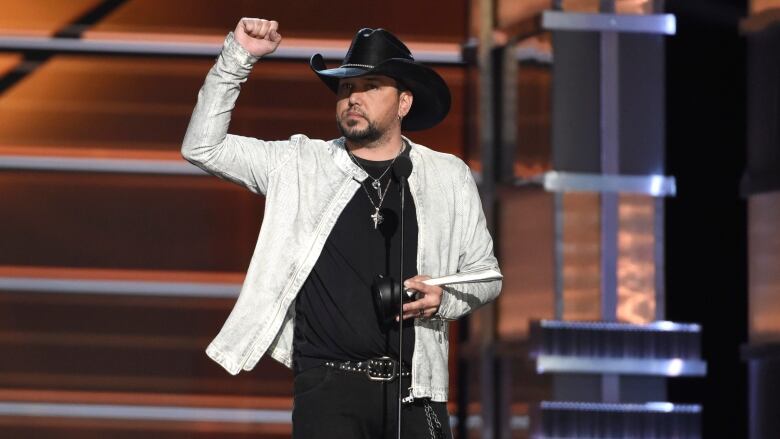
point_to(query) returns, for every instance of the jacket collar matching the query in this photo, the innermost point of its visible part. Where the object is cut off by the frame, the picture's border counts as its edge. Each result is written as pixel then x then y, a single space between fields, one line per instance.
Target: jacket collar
pixel 341 157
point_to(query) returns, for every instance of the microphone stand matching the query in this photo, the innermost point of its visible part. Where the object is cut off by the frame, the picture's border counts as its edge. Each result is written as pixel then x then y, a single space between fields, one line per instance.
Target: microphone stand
pixel 401 182
pixel 402 170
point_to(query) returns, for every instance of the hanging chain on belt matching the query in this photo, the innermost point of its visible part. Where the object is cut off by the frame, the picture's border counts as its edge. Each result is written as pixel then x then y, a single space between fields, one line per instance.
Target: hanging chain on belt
pixel 434 426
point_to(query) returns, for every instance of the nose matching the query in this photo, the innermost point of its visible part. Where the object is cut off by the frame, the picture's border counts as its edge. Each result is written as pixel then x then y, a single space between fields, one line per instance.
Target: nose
pixel 354 97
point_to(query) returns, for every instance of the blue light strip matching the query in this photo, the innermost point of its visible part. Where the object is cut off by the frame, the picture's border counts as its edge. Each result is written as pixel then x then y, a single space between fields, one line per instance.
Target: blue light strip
pixel 664 24
pixel 653 185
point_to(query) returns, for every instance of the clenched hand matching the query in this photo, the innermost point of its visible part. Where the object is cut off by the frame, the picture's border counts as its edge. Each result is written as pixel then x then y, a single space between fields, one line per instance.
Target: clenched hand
pixel 258 36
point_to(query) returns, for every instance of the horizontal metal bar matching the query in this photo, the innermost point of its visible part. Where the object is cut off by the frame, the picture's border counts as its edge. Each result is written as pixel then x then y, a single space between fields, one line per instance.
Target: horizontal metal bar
pixel 89 164
pixel 653 185
pixel 195 49
pixel 648 407
pixel 156 413
pixel 665 24
pixel 659 326
pixel 119 166
pixel 179 413
pixel 531 54
pixel 109 46
pixel 120 287
pixel 474 422
pixel 427 56
pixel 621 366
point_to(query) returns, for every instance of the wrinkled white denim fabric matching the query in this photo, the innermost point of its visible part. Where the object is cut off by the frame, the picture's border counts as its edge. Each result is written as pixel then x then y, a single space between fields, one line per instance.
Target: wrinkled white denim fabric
pixel 307 183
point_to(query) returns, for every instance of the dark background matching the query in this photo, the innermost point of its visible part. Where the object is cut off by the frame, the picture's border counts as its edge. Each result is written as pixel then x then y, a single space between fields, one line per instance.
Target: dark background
pixel 706 241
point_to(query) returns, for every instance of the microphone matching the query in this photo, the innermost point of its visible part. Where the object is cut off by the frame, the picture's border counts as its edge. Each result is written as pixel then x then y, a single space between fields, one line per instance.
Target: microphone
pixel 402 168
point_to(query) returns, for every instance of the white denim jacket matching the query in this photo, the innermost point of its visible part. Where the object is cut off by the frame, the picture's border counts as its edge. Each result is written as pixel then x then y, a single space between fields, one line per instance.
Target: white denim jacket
pixel 307 183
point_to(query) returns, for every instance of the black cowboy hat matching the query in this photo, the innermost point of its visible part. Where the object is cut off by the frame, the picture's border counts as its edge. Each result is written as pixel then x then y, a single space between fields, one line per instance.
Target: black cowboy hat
pixel 378 52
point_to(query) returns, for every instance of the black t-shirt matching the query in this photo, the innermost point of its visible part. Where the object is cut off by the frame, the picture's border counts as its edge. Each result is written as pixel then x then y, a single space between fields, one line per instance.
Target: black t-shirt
pixel 335 313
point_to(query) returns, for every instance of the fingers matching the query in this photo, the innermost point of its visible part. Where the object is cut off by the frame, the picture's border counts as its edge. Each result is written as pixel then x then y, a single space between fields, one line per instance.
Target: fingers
pixel 428 304
pixel 422 308
pixel 269 30
pixel 261 29
pixel 273 35
pixel 419 309
pixel 414 308
pixel 416 283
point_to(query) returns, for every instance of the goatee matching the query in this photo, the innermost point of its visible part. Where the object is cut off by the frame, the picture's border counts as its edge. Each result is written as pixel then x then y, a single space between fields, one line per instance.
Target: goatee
pixel 369 134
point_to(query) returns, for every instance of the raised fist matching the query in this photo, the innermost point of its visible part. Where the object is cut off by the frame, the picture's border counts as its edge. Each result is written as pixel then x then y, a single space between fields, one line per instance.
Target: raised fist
pixel 259 37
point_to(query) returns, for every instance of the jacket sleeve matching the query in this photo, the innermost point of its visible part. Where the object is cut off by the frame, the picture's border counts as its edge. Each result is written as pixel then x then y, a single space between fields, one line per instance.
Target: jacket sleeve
pixel 476 253
pixel 243 160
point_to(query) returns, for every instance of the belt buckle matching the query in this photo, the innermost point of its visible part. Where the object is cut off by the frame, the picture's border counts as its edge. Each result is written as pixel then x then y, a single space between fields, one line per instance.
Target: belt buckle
pixel 379 376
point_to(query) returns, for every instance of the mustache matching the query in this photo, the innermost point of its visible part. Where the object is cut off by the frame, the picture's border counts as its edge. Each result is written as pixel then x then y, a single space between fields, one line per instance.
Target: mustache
pixel 353 110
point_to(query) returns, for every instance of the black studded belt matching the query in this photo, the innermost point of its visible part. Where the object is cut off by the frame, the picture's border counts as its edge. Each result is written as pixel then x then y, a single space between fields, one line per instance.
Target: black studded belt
pixel 376 369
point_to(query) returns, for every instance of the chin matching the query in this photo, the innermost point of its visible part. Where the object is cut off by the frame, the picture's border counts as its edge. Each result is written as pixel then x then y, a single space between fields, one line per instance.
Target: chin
pixel 350 130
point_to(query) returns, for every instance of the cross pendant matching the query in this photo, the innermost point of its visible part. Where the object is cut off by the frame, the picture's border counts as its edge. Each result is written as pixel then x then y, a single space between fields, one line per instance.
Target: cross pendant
pixel 377 218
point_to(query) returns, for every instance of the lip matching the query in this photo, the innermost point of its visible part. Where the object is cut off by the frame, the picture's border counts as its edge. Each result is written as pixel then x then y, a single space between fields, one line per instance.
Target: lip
pixel 352 114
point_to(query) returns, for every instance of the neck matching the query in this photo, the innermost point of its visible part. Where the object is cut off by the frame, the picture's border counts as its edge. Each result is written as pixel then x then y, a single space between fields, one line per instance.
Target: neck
pixel 385 148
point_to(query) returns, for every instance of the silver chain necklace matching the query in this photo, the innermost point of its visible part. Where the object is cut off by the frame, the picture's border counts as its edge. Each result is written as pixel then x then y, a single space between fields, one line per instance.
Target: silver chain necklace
pixel 376 183
pixel 376 217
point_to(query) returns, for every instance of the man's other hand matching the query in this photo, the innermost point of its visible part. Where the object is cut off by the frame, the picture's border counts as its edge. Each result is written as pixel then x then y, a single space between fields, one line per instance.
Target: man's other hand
pixel 429 298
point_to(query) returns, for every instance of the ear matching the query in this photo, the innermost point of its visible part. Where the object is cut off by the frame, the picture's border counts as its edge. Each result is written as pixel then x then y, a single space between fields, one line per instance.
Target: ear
pixel 405 103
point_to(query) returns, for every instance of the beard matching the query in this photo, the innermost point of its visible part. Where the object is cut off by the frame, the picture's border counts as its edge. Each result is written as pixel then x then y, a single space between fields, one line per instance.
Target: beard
pixel 349 130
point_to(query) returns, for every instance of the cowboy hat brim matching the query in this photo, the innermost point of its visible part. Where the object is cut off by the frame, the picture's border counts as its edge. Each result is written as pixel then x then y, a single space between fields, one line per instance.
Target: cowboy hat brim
pixel 431 95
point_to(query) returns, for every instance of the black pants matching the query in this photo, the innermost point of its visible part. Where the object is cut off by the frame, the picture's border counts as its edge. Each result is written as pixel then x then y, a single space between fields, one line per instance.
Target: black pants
pixel 330 403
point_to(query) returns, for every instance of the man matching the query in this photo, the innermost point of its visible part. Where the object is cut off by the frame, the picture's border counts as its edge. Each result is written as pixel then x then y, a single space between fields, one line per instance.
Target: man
pixel 331 226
